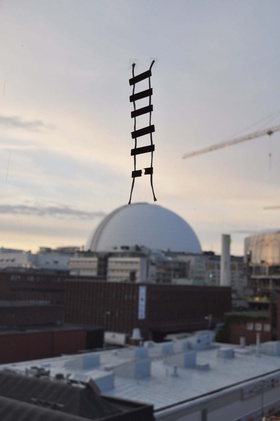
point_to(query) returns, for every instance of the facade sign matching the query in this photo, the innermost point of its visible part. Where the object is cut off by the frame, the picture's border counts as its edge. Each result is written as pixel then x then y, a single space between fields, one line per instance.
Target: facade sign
pixel 142 303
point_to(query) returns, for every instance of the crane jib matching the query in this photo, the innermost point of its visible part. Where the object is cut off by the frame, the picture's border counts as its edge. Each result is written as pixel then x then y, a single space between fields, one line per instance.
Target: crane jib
pixel 235 141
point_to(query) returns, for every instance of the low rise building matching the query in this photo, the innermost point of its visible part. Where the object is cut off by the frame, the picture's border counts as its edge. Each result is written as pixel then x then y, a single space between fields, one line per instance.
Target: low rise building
pixel 187 379
pixel 55 260
pixel 156 309
pixel 246 327
pixel 43 298
pixel 35 396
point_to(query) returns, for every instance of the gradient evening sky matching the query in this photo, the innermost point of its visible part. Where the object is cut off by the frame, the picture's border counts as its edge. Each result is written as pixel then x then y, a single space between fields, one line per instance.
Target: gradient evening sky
pixel 65 115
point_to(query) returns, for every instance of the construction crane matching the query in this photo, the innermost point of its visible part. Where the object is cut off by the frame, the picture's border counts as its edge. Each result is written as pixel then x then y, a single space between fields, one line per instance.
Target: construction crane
pixel 221 145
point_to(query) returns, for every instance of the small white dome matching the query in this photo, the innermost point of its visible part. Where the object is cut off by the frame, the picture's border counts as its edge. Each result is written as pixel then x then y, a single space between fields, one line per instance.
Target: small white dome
pixel 146 225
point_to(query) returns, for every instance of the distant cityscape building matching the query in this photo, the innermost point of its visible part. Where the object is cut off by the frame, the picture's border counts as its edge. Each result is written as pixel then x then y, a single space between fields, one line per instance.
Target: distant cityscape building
pixel 45 259
pixel 134 264
pixel 129 264
pixel 140 264
pixel 136 243
pixel 148 243
pixel 205 269
pixel 262 254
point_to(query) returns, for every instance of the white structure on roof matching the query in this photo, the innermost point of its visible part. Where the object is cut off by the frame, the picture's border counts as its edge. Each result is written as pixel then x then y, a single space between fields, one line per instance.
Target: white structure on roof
pixel 225 261
pixel 188 379
pixel 46 259
pixel 146 225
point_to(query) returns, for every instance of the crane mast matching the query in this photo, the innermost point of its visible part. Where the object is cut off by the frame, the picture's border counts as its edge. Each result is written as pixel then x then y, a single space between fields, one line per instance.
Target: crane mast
pixel 241 139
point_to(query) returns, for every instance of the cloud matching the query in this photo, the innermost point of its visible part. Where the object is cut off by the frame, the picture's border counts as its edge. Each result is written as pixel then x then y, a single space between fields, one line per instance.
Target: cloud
pixel 17 123
pixel 62 212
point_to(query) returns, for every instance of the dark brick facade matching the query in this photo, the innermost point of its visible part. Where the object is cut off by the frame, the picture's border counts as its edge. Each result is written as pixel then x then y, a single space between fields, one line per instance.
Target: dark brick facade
pixel 28 299
pixel 24 346
pixel 117 307
pixel 167 308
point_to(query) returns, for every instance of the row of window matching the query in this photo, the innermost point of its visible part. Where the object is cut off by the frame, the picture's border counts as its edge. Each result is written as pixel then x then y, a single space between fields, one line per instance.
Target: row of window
pixel 258 327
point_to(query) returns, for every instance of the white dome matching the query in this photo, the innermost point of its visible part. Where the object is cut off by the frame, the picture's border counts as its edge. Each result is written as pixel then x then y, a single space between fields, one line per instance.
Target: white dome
pixel 146 225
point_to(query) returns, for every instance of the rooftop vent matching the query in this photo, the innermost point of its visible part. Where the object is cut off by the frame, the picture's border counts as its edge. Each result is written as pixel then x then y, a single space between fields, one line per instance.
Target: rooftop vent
pixel 167 348
pixel 175 371
pixel 113 338
pixel 59 377
pixel 182 360
pixel 103 380
pixel 182 345
pixel 37 371
pixel 160 350
pixel 227 353
pixel 271 348
pixel 201 340
pixel 203 367
pixel 85 362
pixel 138 369
pixel 133 353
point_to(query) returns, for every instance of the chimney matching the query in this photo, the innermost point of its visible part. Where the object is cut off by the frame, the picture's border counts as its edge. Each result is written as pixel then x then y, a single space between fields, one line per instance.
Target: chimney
pixel 242 341
pixel 136 338
pixel 258 344
pixel 225 261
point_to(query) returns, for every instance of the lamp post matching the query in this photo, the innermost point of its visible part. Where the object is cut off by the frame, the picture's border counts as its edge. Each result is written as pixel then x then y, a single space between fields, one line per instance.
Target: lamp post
pixel 263 418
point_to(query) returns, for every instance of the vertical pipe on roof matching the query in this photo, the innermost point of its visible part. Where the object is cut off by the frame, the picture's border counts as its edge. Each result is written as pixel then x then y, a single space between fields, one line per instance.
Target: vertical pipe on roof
pixel 225 261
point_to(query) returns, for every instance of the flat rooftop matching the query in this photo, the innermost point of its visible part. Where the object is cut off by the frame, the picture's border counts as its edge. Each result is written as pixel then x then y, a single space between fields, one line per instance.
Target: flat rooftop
pixel 163 374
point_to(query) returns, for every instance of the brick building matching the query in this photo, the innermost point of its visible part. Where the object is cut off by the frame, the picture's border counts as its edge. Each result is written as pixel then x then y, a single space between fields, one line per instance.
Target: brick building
pixel 243 328
pixel 38 299
pixel 156 309
pixel 32 319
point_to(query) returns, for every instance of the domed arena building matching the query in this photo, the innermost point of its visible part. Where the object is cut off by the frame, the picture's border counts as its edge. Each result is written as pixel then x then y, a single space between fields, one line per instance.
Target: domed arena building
pixel 145 242
pixel 143 224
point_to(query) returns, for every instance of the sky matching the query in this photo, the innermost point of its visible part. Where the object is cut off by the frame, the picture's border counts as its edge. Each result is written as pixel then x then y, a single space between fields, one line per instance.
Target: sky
pixel 65 125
